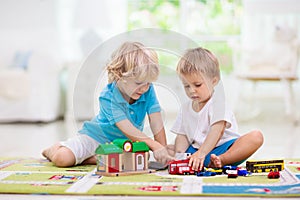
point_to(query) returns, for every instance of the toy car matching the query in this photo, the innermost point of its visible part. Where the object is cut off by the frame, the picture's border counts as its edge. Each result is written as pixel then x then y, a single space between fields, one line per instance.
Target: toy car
pixel 232 173
pixel 206 173
pixel 215 170
pixel 243 172
pixel 274 174
pixel 228 167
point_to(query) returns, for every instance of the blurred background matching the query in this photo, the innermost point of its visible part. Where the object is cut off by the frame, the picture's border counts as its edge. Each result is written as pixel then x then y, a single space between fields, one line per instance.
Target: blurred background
pixel 45 43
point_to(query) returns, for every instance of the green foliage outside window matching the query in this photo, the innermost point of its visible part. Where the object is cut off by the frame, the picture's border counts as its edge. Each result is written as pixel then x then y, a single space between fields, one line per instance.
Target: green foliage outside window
pixel 196 18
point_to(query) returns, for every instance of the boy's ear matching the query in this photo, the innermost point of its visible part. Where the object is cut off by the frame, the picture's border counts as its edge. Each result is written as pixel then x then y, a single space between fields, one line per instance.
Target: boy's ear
pixel 122 79
pixel 215 80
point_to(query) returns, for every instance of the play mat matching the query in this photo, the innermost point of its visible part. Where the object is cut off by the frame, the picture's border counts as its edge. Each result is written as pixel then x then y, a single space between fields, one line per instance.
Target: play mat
pixel 38 176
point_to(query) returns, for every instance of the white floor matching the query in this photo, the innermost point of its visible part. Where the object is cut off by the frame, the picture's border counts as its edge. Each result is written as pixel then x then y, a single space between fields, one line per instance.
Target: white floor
pixel 281 133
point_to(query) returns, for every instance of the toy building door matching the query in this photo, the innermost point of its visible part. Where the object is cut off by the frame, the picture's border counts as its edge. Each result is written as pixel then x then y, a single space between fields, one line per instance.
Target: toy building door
pixel 140 162
pixel 113 163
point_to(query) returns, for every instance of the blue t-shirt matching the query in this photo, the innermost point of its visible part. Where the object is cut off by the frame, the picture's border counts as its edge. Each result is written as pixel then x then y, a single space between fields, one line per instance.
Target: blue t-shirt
pixel 114 108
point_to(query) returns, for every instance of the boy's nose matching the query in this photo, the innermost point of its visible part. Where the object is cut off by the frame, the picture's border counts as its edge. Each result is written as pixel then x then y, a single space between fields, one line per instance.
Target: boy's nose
pixel 144 87
pixel 191 89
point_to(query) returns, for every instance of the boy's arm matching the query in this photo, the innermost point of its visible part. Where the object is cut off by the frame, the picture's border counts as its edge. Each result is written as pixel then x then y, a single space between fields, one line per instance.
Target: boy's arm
pixel 214 135
pixel 157 128
pixel 181 143
pixel 135 134
pixel 159 151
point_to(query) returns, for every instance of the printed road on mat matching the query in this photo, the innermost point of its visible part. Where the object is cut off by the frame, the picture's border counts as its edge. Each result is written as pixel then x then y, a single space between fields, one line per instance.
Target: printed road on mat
pixel 36 176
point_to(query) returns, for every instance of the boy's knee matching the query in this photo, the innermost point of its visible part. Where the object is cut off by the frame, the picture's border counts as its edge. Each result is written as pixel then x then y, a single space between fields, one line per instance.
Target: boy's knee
pixel 63 158
pixel 258 137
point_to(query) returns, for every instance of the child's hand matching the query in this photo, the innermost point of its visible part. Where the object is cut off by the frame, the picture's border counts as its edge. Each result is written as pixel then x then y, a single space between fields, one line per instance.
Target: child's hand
pixel 171 149
pixel 196 161
pixel 162 156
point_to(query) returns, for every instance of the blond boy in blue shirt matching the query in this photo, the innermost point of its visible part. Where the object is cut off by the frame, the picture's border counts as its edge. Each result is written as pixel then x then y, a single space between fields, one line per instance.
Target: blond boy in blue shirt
pixel 124 103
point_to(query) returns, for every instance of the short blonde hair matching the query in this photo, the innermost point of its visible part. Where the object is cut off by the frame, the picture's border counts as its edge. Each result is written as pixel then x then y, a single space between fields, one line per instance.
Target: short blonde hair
pixel 199 60
pixel 133 59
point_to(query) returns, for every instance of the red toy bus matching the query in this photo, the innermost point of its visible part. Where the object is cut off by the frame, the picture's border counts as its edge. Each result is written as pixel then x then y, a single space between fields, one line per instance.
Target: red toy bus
pixel 180 167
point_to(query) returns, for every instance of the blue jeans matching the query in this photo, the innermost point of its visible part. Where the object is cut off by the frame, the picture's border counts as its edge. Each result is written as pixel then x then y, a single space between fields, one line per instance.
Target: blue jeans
pixel 217 150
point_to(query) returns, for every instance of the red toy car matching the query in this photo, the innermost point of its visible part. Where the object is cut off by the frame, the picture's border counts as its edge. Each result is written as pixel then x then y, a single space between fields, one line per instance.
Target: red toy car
pixel 232 173
pixel 274 174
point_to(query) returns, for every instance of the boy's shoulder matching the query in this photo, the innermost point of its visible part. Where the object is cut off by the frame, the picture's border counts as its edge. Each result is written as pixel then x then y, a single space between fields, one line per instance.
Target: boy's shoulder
pixel 108 90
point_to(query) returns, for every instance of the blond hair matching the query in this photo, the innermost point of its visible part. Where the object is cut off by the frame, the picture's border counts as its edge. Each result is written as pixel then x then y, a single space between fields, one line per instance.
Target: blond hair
pixel 199 60
pixel 133 59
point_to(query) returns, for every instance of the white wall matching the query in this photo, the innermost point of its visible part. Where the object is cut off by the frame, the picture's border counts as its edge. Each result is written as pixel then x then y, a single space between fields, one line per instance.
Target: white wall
pixel 79 17
pixel 271 6
pixel 52 31
pixel 56 26
pixel 27 25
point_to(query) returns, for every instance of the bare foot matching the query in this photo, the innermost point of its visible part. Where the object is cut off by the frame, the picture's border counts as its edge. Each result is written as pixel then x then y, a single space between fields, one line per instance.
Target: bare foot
pixel 45 153
pixel 215 161
pixel 48 153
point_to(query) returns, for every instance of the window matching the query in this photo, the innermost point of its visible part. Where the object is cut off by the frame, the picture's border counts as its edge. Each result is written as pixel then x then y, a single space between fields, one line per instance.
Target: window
pixel 210 23
pixel 113 162
pixel 140 160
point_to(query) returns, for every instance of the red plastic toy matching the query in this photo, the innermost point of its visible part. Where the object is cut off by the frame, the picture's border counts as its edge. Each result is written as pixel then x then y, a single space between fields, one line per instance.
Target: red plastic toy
pixel 232 173
pixel 180 167
pixel 274 174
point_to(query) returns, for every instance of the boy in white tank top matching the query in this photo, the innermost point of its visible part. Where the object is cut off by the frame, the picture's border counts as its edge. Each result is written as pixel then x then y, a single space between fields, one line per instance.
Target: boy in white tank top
pixel 205 126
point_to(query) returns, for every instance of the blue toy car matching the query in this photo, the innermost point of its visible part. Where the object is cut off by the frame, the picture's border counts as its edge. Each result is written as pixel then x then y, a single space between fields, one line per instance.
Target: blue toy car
pixel 243 172
pixel 206 173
